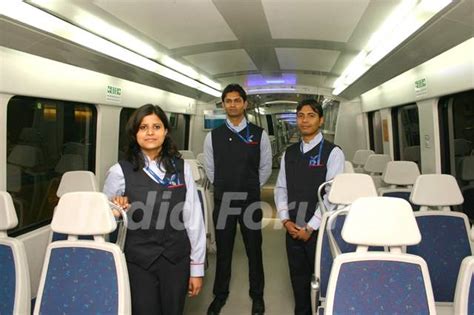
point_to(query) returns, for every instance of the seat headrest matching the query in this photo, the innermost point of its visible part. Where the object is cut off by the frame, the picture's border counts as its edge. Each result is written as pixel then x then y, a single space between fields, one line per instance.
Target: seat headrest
pixel 381 221
pixel 401 173
pixel 201 158
pixel 360 156
pixel 376 163
pixel 75 181
pixel 69 162
pixel 187 155
pixel 194 169
pixel 25 156
pixel 8 218
pixel 348 168
pixel 83 213
pixel 436 190
pixel 467 168
pixel 346 188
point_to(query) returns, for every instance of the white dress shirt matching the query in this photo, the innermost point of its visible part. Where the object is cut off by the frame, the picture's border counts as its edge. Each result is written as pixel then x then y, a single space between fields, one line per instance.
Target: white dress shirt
pixel 265 167
pixel 335 165
pixel 192 214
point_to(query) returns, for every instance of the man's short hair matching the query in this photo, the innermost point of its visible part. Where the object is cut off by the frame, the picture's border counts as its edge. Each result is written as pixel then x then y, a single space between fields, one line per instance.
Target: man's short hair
pixel 314 104
pixel 234 87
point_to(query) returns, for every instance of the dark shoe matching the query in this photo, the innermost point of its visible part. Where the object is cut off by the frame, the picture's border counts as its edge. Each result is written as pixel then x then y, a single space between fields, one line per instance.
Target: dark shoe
pixel 258 307
pixel 216 306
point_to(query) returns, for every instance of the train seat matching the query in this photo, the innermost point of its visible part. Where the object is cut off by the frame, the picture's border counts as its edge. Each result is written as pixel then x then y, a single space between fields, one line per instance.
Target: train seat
pixel 75 181
pixel 375 166
pixel 436 192
pixel 187 155
pixel 201 158
pixel 359 159
pixel 83 276
pixel 344 190
pixel 15 296
pixel 392 282
pixel 467 175
pixel 445 234
pixel 400 176
pixel 348 168
pixel 464 296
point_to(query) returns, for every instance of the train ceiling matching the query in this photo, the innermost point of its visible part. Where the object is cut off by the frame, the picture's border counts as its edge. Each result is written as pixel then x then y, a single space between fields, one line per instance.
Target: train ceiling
pixel 261 43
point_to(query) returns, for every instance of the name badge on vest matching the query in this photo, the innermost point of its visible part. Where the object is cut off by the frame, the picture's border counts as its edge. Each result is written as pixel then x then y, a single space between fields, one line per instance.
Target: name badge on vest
pixel 314 161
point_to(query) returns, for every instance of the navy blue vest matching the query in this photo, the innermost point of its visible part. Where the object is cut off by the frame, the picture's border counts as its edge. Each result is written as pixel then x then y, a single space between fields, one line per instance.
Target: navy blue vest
pixel 155 218
pixel 236 163
pixel 303 180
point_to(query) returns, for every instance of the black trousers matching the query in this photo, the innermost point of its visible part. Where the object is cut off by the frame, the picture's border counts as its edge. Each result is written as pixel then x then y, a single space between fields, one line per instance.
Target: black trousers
pixel 250 221
pixel 160 290
pixel 301 256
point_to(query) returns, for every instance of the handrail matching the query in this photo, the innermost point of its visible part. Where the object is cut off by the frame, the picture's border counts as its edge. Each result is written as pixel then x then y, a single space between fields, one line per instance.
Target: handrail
pixel 322 207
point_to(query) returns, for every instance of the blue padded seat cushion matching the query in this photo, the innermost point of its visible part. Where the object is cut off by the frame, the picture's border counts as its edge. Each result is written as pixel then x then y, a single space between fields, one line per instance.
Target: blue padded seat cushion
pixel 403 195
pixel 380 287
pixel 80 281
pixel 325 265
pixel 7 280
pixel 444 244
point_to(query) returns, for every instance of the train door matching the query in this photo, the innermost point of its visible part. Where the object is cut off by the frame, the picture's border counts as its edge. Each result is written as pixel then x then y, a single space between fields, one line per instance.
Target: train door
pixel 406 133
pixel 456 121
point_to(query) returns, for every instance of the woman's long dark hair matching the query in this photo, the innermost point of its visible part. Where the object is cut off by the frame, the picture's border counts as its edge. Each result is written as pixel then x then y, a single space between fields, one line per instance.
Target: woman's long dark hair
pixel 169 150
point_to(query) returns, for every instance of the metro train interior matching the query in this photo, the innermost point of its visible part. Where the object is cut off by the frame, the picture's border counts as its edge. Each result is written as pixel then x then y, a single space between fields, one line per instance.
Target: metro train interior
pixel 395 79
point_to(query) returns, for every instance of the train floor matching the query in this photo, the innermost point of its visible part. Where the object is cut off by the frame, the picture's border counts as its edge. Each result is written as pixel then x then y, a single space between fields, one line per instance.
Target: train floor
pixel 278 293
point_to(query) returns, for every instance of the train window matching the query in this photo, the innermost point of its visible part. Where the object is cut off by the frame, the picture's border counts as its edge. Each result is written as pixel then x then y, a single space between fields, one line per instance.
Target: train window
pixel 331 110
pixel 179 124
pixel 456 114
pixel 406 133
pixel 375 132
pixel 45 138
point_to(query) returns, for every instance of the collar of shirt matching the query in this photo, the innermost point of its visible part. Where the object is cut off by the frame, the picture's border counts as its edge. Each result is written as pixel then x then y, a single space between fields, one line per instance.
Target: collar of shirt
pixel 240 127
pixel 312 143
pixel 154 167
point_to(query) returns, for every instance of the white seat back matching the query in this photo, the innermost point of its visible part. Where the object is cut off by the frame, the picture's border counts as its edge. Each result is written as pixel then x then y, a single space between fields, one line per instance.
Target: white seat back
pixel 361 156
pixel 346 188
pixel 376 163
pixel 464 297
pixel 14 280
pixel 401 173
pixel 365 282
pixel 187 155
pixel 436 191
pixel 74 181
pixel 74 265
pixel 348 168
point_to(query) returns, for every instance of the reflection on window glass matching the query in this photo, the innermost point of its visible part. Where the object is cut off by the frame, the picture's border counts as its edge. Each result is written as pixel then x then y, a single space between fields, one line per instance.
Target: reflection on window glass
pixel 408 133
pixel 45 139
pixel 330 111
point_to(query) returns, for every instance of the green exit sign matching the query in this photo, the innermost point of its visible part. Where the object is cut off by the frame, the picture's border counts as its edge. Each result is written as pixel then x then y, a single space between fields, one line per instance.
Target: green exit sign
pixel 114 94
pixel 112 90
pixel 421 87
